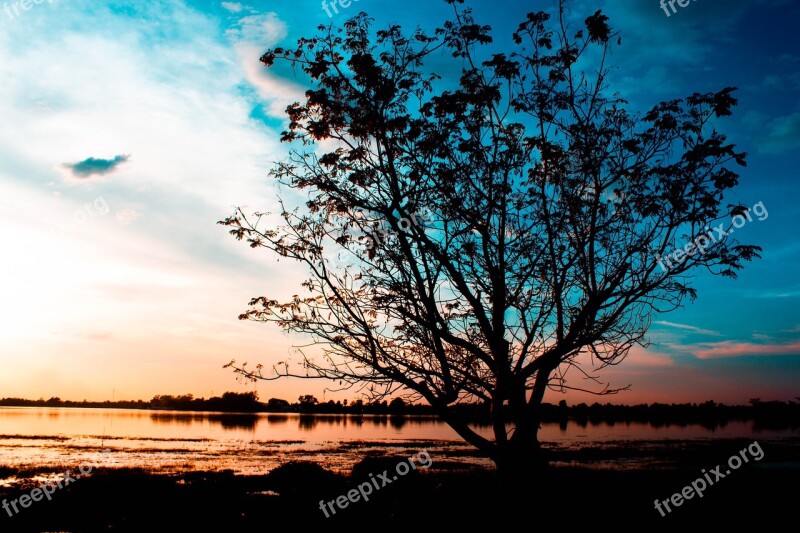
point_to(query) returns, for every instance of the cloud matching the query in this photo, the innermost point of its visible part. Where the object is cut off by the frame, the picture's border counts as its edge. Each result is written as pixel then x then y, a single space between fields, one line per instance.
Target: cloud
pixel 687 44
pixel 95 166
pixel 252 36
pixel 264 30
pixel 126 216
pixel 717 350
pixel 781 82
pixel 693 329
pixel 638 357
pixel 774 134
pixel 233 7
pixel 783 134
pixel 774 294
pixel 180 101
pixel 644 357
pixel 687 39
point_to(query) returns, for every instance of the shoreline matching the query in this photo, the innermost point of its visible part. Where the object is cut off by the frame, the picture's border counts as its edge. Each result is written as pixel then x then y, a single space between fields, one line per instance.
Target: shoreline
pixel 259 458
pixel 126 499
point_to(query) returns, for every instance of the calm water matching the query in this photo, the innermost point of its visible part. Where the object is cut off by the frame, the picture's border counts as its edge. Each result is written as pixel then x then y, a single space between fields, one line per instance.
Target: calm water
pixel 179 441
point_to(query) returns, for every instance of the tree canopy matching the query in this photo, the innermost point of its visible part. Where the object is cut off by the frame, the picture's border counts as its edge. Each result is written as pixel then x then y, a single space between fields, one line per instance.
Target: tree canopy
pixel 548 202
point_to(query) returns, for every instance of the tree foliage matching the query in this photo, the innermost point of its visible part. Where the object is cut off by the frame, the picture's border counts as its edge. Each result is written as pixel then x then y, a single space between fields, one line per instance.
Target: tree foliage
pixel 549 203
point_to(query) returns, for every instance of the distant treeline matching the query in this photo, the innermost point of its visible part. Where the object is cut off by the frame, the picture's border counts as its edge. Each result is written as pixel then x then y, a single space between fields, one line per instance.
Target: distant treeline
pixel 710 414
pixel 230 402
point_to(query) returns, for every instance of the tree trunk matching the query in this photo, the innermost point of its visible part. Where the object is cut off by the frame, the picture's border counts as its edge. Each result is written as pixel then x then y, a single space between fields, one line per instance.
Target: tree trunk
pixel 522 456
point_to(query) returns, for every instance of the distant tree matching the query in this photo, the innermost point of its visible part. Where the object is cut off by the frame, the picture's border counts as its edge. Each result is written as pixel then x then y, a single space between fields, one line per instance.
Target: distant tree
pixel 548 203
pixel 397 406
pixel 306 401
pixel 244 402
pixel 277 403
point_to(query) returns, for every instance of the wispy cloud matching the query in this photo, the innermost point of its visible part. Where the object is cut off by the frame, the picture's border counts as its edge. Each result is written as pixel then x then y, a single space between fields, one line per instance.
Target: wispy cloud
pixel 716 350
pixel 263 29
pixel 645 357
pixel 783 134
pixel 637 358
pixel 233 7
pixel 93 166
pixel 687 327
pixel 775 294
pixel 251 36
pixel 179 102
pixel 128 215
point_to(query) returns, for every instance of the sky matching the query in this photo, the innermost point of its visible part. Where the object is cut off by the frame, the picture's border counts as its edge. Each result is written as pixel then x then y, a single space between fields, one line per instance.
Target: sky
pixel 128 129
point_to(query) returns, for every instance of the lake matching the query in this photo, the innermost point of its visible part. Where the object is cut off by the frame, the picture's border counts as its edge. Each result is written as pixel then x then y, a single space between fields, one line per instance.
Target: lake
pixel 172 441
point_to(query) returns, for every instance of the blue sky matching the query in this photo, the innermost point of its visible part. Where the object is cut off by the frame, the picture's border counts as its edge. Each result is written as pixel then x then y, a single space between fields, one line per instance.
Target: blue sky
pixel 130 128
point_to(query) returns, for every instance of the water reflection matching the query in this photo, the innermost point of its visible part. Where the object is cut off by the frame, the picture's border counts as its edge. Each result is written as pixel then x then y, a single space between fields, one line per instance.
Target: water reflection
pixel 308 422
pixel 183 419
pixel 229 421
pixel 305 421
pixel 397 421
pixel 28 422
pixel 232 422
pixel 278 420
pixel 312 422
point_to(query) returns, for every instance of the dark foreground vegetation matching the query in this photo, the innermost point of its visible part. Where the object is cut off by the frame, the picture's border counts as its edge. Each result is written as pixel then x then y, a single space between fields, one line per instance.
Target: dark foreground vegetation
pixel 448 494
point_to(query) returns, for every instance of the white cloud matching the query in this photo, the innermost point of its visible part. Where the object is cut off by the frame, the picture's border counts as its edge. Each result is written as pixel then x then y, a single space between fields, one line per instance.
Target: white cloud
pixel 251 38
pixel 233 7
pixel 263 30
pixel 127 215
pixel 88 299
pixel 715 350
pixel 687 327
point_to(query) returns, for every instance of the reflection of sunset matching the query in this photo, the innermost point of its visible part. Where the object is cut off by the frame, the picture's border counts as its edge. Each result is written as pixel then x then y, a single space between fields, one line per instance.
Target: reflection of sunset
pixel 257 443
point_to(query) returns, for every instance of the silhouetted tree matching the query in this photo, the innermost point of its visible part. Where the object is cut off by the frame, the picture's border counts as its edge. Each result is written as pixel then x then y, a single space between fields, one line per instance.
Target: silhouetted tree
pixel 307 402
pixel 397 406
pixel 547 206
pixel 277 403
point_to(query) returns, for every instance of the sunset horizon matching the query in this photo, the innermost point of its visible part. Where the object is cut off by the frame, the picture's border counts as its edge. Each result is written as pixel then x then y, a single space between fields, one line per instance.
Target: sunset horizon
pixel 493 214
